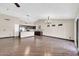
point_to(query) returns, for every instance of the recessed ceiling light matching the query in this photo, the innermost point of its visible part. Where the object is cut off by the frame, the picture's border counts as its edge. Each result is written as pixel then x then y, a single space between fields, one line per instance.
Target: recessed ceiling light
pixel 7 9
pixel 27 15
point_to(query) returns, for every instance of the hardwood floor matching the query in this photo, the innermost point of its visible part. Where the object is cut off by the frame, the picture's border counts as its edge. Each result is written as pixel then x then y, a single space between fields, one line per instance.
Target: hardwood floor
pixel 37 46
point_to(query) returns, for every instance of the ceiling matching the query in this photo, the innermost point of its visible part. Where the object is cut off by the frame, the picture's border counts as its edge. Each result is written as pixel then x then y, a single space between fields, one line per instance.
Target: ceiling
pixel 34 11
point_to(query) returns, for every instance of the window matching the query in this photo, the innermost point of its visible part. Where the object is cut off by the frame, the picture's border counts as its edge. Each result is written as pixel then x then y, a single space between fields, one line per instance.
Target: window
pixel 53 25
pixel 60 24
pixel 48 25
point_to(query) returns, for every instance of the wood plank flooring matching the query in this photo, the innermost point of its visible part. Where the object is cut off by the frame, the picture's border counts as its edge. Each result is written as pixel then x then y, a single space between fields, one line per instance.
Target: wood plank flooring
pixel 37 46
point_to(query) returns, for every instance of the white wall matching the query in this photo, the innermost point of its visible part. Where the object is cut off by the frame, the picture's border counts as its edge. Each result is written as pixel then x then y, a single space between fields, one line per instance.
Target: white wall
pixel 7 27
pixel 66 31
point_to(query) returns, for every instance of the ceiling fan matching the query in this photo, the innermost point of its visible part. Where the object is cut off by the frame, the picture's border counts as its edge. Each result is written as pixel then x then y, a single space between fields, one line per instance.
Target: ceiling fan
pixel 17 5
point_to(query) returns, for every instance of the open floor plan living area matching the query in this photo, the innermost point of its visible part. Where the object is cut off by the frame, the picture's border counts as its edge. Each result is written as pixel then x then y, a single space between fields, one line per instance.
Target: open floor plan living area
pixel 39 29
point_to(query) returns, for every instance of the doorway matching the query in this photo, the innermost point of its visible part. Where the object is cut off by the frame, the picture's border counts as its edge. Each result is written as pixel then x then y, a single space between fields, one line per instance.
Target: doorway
pixel 77 32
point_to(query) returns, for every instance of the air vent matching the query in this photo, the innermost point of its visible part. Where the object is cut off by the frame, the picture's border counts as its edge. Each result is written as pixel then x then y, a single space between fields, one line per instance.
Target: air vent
pixel 7 19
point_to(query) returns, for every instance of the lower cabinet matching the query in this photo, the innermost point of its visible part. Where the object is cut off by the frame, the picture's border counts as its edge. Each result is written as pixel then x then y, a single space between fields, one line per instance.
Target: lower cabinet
pixel 38 33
